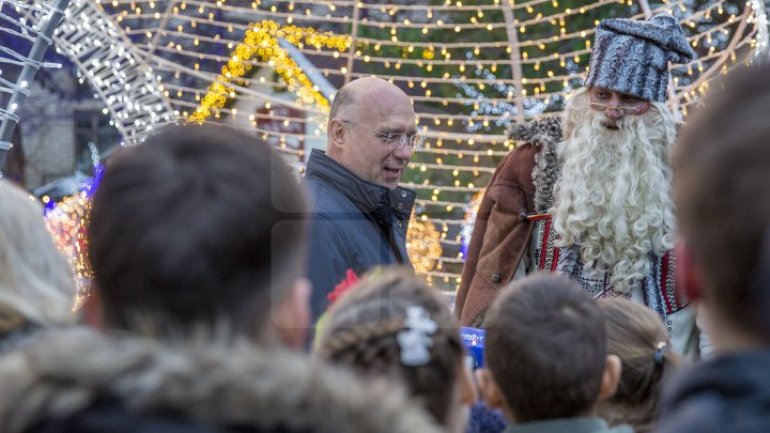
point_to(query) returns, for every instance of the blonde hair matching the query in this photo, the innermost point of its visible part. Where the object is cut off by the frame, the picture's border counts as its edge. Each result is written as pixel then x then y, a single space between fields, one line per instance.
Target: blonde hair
pixel 635 334
pixel 37 284
pixel 613 195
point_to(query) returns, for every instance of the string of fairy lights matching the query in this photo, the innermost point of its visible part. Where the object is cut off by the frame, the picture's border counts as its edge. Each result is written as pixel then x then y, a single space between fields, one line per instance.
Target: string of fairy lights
pixel 470 68
pixel 24 58
pixel 115 70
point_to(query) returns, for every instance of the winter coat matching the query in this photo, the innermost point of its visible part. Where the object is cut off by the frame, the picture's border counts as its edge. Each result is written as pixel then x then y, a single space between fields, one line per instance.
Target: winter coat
pixel 730 393
pixel 16 334
pixel 500 236
pixel 81 381
pixel 356 225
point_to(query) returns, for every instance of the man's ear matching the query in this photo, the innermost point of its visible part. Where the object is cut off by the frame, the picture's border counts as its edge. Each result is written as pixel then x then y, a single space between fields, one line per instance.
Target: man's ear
pixel 610 378
pixel 688 274
pixel 489 390
pixel 291 317
pixel 337 133
pixel 92 310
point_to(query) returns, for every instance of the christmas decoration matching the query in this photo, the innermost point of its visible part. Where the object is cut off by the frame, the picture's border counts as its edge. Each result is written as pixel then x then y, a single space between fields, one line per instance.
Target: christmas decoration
pixel 470 68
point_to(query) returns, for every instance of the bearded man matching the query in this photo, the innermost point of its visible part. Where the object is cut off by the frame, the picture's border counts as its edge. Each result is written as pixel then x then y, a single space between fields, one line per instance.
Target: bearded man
pixel 588 194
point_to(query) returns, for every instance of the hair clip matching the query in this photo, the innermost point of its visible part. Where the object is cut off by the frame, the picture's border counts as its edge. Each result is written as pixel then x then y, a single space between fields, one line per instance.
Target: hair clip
pixel 415 340
pixel 660 350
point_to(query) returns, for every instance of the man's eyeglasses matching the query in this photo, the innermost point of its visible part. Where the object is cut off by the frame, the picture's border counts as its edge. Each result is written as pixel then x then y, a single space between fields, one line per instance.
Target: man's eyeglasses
pixel 623 109
pixel 396 141
pixel 632 106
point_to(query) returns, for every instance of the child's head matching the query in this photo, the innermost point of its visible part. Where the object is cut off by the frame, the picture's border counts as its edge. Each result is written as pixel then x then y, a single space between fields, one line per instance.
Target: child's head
pixel 200 226
pixel 546 351
pixel 637 336
pixel 37 285
pixel 392 324
pixel 720 165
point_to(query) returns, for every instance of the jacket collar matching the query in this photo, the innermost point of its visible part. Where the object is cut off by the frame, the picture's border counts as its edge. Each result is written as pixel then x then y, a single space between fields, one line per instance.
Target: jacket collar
pixel 545 134
pixel 367 196
pixel 546 131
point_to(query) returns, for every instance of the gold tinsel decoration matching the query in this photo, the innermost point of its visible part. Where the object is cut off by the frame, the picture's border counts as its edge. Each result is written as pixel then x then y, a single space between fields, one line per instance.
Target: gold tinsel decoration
pixel 423 244
pixel 66 222
pixel 261 40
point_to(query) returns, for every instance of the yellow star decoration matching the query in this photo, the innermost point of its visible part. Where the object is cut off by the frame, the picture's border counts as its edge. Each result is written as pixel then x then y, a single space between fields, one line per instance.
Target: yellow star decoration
pixel 261 40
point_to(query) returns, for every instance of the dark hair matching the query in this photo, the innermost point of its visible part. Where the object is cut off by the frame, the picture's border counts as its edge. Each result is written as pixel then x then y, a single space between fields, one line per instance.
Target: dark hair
pixel 546 348
pixel 721 165
pixel 638 337
pixel 361 331
pixel 197 225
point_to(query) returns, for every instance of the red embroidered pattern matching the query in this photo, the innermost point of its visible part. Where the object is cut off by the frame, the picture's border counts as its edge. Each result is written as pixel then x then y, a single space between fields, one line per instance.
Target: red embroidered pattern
pixel 673 301
pixel 549 256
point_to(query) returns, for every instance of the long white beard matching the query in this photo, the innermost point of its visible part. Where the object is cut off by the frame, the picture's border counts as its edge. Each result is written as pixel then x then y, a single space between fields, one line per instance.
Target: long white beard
pixel 613 195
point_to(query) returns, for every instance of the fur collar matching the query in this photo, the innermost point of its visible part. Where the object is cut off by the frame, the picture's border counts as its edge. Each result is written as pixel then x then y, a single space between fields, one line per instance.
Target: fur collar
pixel 63 373
pixel 544 133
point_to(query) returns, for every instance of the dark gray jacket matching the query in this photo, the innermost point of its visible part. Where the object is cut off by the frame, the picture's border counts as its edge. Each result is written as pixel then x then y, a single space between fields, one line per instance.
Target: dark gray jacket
pixel 729 393
pixel 356 225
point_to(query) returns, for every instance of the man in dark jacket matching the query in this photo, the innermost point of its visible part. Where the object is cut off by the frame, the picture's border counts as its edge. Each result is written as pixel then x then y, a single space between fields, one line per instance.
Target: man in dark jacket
pixel 721 191
pixel 360 214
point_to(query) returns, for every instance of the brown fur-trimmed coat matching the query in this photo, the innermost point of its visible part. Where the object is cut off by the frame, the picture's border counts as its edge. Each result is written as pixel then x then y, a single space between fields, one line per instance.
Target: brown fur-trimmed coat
pixel 500 237
pixel 61 376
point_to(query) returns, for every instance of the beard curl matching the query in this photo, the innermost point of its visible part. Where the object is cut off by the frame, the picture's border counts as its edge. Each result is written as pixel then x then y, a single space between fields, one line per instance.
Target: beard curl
pixel 613 196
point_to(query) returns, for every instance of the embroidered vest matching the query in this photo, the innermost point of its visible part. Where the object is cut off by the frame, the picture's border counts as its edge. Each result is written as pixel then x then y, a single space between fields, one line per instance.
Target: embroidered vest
pixel 658 287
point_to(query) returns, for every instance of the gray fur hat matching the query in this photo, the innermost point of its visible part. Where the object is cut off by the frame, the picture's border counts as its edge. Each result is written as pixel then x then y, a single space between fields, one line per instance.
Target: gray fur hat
pixel 632 56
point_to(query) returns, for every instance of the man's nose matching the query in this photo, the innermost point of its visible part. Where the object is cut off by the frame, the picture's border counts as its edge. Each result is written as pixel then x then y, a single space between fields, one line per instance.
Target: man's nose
pixel 613 111
pixel 403 152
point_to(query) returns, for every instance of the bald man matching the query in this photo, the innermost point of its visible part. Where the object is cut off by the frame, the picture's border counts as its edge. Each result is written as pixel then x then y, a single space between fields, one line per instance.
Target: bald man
pixel 360 213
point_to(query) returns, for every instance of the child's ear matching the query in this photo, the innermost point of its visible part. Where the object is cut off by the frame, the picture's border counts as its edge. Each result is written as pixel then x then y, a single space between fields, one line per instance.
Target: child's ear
pixel 488 389
pixel 291 318
pixel 468 394
pixel 610 378
pixel 92 310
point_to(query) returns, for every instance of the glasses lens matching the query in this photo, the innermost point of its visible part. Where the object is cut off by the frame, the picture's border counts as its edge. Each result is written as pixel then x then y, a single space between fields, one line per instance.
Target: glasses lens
pixel 623 110
pixel 417 142
pixel 413 141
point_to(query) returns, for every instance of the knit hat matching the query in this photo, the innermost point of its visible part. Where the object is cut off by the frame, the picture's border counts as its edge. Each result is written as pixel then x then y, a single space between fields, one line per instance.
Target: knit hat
pixel 632 56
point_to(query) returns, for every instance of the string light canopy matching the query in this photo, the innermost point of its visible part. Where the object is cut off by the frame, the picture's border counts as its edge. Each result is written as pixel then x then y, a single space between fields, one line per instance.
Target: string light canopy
pixel 471 69
pixel 118 73
pixel 24 59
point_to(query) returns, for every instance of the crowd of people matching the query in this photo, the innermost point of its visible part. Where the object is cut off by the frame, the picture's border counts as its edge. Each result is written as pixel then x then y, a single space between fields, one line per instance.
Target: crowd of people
pixel 620 266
